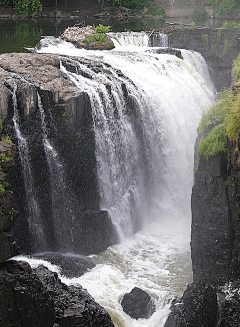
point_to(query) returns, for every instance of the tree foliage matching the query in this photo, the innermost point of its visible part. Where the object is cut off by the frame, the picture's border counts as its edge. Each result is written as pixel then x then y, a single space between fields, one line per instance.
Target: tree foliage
pixel 225 7
pixel 27 7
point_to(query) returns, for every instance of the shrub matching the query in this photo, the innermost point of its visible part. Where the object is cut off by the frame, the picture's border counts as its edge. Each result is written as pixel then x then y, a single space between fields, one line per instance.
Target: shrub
pixel 199 13
pixel 214 143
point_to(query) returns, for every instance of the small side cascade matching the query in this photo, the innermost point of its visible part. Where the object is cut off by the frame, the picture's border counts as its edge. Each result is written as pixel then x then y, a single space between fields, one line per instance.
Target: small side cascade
pixel 139 39
pixel 125 39
pixel 157 39
pixel 33 211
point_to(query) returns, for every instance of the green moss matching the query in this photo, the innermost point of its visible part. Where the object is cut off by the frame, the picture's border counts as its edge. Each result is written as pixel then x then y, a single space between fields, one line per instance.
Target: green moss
pixel 2 189
pixel 214 143
pixel 6 140
pixel 227 181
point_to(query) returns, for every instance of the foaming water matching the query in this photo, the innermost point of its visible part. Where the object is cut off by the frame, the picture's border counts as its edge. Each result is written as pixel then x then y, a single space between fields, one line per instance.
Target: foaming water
pixel 152 167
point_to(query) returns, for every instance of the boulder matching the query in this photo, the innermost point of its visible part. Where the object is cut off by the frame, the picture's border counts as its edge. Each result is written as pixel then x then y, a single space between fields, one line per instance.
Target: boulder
pixel 197 307
pixel 138 304
pixel 24 301
pixel 73 305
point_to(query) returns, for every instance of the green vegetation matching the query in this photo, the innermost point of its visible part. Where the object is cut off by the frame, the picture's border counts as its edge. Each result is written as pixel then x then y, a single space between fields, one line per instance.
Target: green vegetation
pixel 11 213
pixel 227 181
pixel 2 190
pixel 225 7
pixel 100 36
pixel 199 14
pixel 4 158
pixel 214 143
pixel 101 29
pixel 205 38
pixel 27 7
pixel 6 139
pixel 223 120
pixel 153 10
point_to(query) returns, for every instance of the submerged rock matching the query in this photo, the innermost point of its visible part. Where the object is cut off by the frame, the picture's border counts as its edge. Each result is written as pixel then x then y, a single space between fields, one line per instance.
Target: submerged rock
pixel 171 51
pixel 71 265
pixel 138 304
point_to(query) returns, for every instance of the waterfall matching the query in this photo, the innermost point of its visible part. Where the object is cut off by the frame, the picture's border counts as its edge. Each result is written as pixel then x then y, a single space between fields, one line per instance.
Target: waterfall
pixel 142 39
pixel 145 108
pixel 33 211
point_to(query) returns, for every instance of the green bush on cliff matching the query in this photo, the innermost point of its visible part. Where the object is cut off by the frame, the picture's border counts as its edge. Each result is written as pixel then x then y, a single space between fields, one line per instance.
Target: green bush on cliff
pixel 224 118
pixel 214 143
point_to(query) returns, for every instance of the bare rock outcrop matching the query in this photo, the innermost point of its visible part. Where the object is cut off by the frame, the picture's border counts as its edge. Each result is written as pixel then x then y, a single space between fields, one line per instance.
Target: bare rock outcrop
pixel 87 38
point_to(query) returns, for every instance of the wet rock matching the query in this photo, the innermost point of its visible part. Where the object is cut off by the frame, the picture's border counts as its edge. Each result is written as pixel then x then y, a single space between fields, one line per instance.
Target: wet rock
pixel 73 305
pixel 171 51
pixel 197 307
pixel 138 304
pixel 8 247
pixel 230 306
pixel 98 230
pixel 8 211
pixel 71 265
pixel 24 300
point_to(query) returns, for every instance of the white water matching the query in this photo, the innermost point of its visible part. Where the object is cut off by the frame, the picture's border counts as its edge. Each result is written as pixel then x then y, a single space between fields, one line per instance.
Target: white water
pixel 170 94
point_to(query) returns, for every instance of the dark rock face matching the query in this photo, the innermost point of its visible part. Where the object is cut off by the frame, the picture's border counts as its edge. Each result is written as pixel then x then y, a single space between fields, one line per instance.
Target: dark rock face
pixel 138 304
pixel 212 234
pixel 8 212
pixel 30 298
pixel 70 265
pixel 24 300
pixel 100 231
pixel 230 306
pixel 197 307
pixel 69 129
pixel 73 305
pixel 8 247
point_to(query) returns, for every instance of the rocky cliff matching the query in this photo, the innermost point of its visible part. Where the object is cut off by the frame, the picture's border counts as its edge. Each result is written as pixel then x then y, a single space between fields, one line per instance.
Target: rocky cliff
pixel 37 297
pixel 30 82
pixel 215 230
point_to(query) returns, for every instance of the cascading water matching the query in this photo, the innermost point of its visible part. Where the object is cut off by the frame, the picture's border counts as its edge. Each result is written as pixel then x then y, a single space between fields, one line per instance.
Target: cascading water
pixel 142 39
pixel 33 211
pixel 62 206
pixel 146 108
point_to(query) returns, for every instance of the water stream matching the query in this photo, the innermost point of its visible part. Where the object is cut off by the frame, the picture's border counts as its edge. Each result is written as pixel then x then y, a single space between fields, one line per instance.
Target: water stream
pixel 145 161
